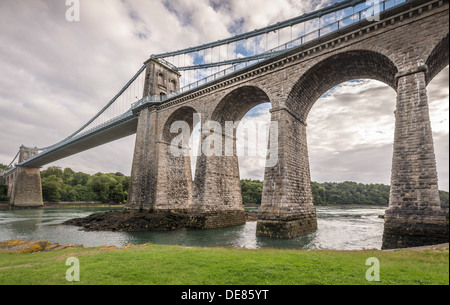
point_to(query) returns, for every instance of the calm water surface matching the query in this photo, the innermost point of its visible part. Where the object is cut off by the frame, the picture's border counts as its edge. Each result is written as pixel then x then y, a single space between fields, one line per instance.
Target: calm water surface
pixel 340 228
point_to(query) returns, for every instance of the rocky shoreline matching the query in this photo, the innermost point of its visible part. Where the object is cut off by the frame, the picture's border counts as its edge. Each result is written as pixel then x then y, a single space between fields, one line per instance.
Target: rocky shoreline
pixel 26 246
pixel 122 221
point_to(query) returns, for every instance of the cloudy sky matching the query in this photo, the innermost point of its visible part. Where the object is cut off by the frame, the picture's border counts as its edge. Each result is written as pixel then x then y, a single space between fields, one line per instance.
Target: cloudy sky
pixel 55 75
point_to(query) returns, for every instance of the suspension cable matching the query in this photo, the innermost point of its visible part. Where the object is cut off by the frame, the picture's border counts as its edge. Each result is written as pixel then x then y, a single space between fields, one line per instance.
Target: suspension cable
pixel 13 160
pixel 303 18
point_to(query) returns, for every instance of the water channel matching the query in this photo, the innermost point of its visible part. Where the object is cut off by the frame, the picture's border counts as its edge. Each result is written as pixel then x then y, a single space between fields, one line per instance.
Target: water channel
pixel 340 228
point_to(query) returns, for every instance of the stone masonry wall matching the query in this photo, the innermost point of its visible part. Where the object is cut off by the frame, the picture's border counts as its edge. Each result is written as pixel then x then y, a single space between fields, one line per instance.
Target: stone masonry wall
pixel 399 43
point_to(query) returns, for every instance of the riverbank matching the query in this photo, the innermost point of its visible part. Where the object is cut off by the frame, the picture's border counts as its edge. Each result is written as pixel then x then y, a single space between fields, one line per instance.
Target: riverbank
pixel 174 265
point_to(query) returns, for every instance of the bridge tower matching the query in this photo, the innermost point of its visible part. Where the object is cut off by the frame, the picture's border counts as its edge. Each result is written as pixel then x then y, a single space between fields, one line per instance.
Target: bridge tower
pixel 160 181
pixel 24 183
pixel 160 79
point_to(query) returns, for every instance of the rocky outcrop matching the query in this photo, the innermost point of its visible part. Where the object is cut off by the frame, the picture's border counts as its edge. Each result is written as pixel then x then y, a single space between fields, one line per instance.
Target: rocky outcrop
pixel 157 221
pixel 26 246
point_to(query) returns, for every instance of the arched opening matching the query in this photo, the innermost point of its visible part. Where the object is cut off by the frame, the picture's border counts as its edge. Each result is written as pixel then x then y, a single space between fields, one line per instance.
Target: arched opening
pixel 351 132
pixel 238 103
pixel 288 192
pixel 182 115
pixel 349 89
pixel 350 144
pixel 437 78
pixel 336 69
pixel 438 59
pixel 217 178
pixel 175 177
pixel 438 97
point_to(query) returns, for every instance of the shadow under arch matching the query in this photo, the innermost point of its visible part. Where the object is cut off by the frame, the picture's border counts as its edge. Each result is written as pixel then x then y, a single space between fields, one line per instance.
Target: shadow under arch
pixel 337 69
pixel 438 59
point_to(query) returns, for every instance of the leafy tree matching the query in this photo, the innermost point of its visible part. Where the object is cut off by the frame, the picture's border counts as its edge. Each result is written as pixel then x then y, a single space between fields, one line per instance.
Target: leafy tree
pixel 117 194
pixel 66 185
pixel 444 198
pixel 3 192
pixel 68 174
pixel 51 189
pixel 68 194
pixel 84 193
pixel 251 191
pixel 52 171
pixel 79 179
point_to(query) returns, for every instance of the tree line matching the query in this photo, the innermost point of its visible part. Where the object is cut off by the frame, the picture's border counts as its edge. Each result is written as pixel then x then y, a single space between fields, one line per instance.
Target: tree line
pixel 69 186
pixel 3 188
pixel 66 185
pixel 332 193
pixel 328 193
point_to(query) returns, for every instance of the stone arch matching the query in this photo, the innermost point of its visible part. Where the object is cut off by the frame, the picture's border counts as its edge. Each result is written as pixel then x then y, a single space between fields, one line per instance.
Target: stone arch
pixel 174 175
pixel 287 189
pixel 334 70
pixel 237 103
pixel 438 59
pixel 217 186
pixel 183 114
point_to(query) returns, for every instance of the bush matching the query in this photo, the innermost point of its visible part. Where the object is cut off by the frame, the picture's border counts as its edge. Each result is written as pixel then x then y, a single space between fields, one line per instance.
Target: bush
pixel 68 186
pixel 3 192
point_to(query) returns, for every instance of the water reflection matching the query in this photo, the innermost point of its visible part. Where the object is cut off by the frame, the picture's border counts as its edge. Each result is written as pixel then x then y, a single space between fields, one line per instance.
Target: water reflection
pixel 344 228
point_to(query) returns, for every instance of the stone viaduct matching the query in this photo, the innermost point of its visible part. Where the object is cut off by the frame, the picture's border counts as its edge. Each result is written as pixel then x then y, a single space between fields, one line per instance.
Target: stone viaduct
pixel 406 49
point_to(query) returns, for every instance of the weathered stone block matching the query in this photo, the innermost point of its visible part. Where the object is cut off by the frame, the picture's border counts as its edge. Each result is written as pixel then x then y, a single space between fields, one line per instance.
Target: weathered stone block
pixel 405 229
pixel 215 220
pixel 287 228
pixel 27 188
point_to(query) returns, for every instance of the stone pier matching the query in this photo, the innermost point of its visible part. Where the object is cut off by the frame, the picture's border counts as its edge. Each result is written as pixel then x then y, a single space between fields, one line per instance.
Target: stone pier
pixel 287 209
pixel 24 183
pixel 415 217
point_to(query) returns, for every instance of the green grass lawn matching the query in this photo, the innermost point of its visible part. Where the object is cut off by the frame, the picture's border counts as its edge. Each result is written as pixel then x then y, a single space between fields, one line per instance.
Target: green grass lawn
pixel 174 265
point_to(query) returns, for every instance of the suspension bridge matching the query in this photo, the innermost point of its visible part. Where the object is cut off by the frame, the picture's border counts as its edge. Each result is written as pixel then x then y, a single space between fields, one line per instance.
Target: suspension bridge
pixel 403 43
pixel 202 65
